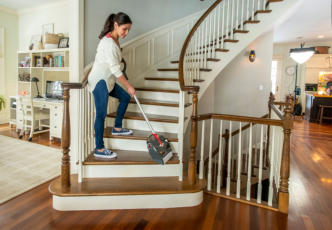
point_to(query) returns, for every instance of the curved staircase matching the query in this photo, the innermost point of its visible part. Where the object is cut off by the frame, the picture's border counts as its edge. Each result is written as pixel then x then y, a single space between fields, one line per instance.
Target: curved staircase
pixel 133 180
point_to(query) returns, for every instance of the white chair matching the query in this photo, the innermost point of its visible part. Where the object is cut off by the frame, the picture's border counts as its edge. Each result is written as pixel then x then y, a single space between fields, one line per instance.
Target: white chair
pixel 31 115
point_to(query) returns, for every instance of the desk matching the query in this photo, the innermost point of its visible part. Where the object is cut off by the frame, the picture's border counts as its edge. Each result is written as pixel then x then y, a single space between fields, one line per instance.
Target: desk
pixel 55 108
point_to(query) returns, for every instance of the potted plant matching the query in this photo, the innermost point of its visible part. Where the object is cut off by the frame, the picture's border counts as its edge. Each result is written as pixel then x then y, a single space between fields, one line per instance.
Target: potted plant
pixel 2 102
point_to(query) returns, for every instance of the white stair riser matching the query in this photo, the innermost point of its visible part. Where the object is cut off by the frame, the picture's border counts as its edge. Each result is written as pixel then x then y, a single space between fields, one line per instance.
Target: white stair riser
pixel 141 125
pixel 162 84
pixel 155 109
pixel 62 203
pixel 158 96
pixel 129 144
pixel 167 74
pixel 109 171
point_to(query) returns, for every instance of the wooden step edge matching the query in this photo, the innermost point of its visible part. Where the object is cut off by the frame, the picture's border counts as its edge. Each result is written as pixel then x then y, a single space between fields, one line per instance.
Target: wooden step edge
pixel 161 79
pixel 198 80
pixel 262 12
pixel 221 50
pixel 158 90
pixel 125 186
pixel 241 31
pixel 91 161
pixel 168 69
pixel 208 59
pixel 231 40
pixel 156 103
pixel 172 69
pixel 150 118
pixel 252 22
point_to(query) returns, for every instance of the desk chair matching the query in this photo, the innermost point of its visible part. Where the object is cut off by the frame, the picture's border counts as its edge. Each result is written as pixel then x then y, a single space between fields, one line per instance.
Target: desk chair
pixel 31 115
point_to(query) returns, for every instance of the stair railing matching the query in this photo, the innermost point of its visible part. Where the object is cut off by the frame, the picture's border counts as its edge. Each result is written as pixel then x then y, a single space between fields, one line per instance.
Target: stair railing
pixel 208 36
pixel 236 168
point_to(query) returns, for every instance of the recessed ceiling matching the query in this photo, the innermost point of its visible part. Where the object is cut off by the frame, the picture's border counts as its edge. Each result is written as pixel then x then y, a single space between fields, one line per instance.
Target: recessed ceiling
pixel 310 22
pixel 25 4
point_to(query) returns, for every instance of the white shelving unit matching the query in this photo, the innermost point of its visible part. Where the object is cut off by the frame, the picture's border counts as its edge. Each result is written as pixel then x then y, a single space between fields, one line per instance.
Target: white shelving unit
pixel 45 72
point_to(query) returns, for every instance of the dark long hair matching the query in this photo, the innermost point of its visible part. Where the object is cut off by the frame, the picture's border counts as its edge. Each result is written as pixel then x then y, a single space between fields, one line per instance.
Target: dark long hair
pixel 120 18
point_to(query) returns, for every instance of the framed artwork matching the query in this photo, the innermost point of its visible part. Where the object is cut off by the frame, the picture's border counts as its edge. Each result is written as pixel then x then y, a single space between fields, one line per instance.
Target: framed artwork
pixel 48 28
pixel 63 42
pixel 323 80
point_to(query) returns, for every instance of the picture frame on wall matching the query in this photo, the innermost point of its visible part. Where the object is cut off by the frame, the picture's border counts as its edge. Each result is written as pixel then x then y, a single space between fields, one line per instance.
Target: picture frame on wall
pixel 48 28
pixel 63 42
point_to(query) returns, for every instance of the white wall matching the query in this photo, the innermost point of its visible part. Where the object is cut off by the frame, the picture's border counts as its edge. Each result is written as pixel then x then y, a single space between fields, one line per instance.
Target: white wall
pixel 31 21
pixel 237 88
pixel 9 21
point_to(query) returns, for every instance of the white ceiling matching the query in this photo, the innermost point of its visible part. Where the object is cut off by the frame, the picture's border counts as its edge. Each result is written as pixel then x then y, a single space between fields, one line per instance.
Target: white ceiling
pixel 310 20
pixel 25 4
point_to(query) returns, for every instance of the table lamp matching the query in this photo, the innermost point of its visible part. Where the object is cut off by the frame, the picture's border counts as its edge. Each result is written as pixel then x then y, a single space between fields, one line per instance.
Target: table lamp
pixel 34 79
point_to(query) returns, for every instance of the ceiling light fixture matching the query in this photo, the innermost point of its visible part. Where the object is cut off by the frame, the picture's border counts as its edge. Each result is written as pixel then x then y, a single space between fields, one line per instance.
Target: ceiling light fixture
pixel 301 55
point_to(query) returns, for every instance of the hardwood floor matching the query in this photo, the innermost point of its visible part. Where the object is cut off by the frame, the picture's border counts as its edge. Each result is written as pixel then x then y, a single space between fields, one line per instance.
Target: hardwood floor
pixel 41 138
pixel 310 201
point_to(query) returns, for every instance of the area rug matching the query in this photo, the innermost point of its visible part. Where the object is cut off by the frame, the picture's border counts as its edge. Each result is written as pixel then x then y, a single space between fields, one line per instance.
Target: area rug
pixel 25 165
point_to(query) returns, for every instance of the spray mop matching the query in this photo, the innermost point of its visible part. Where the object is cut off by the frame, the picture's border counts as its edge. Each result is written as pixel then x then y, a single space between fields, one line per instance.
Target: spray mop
pixel 158 146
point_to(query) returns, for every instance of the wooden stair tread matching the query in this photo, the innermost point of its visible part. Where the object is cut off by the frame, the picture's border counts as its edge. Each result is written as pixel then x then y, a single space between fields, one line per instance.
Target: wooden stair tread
pixel 161 79
pixel 221 50
pixel 208 59
pixel 176 69
pixel 125 186
pixel 127 157
pixel 139 135
pixel 151 117
pixel 251 22
pixel 157 90
pixel 231 40
pixel 262 12
pixel 156 102
pixel 241 31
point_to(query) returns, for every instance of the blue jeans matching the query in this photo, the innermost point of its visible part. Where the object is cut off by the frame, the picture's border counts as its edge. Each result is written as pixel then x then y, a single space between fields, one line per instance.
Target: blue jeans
pixel 101 95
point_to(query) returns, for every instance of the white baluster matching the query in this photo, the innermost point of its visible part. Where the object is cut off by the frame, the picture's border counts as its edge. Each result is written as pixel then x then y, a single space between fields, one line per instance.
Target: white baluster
pixel 260 172
pixel 242 15
pixel 218 25
pixel 253 10
pixel 222 26
pixel 239 158
pixel 210 157
pixel 205 44
pixel 249 163
pixel 232 20
pixel 227 18
pixel 201 163
pixel 237 14
pixel 219 159
pixel 271 169
pixel 210 36
pixel 228 186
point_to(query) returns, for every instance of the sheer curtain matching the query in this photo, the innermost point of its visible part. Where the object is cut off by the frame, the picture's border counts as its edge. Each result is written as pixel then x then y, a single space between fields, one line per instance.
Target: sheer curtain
pixel 4 113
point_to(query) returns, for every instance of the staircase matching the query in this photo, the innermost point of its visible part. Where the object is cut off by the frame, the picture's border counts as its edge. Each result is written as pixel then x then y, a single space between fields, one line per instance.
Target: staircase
pixel 169 96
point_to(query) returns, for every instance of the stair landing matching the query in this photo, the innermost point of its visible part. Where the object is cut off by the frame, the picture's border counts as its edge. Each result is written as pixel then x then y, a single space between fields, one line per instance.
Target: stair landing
pixel 126 193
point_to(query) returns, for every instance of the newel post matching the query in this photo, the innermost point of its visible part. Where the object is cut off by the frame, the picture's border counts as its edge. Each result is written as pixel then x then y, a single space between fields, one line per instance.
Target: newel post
pixel 285 160
pixel 193 141
pixel 65 140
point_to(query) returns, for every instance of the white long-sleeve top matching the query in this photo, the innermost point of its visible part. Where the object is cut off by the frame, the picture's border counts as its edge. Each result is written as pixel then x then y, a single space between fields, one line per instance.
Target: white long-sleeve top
pixel 107 64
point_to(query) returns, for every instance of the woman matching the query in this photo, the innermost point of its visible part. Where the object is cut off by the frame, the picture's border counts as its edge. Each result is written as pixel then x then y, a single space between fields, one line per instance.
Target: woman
pixel 101 82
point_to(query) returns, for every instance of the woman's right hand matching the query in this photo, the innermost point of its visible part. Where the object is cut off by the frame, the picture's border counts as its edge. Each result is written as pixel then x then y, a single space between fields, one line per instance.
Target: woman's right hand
pixel 131 91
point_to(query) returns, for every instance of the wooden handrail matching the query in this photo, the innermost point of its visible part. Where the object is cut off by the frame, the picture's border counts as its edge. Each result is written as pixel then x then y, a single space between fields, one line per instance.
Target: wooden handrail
pixel 185 46
pixel 254 120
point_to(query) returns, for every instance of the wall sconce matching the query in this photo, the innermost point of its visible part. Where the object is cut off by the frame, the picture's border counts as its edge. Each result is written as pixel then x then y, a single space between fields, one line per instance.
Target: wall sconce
pixel 252 56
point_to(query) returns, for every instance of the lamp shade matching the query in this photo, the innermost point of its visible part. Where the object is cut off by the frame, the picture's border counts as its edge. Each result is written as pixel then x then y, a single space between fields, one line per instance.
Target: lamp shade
pixel 34 79
pixel 301 55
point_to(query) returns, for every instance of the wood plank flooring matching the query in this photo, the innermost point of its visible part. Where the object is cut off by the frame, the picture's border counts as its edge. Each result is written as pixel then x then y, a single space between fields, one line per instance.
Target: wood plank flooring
pixel 41 138
pixel 310 201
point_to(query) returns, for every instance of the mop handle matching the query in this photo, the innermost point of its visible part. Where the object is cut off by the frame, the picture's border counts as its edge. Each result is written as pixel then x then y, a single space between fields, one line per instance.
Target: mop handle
pixel 147 121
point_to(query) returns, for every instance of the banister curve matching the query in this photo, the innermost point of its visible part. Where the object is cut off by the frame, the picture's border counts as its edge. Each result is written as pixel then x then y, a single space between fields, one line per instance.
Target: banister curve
pixel 185 45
